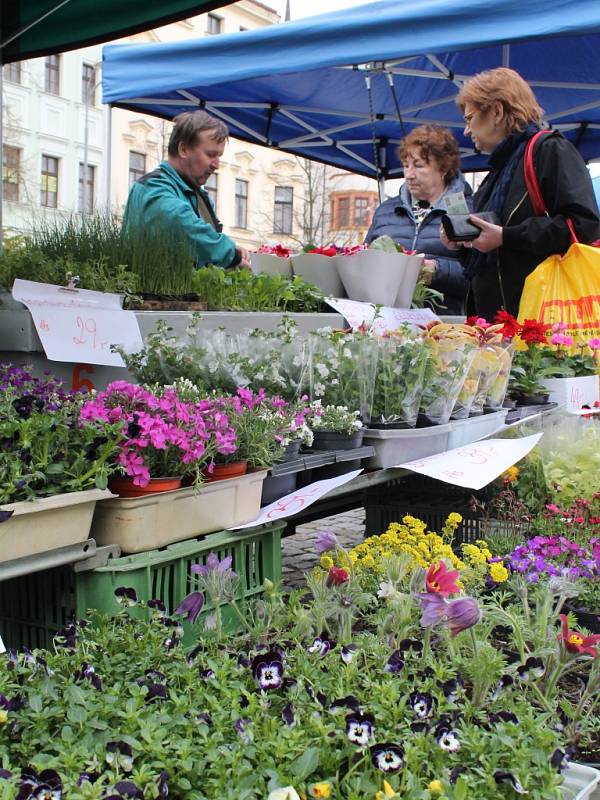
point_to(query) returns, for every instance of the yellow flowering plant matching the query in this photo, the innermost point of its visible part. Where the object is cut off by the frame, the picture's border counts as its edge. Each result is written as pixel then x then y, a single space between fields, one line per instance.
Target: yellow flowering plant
pixel 369 558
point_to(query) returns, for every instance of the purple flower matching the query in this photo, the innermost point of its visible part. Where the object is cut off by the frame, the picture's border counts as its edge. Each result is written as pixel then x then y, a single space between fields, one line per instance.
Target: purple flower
pixel 447 739
pixel 387 757
pixel 360 728
pixel 46 784
pixel 191 606
pixel 394 663
pixel 500 776
pixel 462 614
pixel 421 704
pixel 126 596
pixel 434 608
pixel 287 715
pixel 267 670
pixel 326 540
pixel 348 653
pixel 213 565
pixel 321 645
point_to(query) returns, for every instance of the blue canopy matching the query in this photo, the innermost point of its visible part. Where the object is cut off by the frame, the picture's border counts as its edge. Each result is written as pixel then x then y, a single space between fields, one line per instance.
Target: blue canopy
pixel 335 87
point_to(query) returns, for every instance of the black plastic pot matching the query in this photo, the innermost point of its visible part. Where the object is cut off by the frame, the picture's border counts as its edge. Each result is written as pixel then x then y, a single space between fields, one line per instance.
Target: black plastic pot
pixel 334 470
pixel 276 486
pixel 291 451
pixel 337 440
pixel 586 618
pixel 390 426
pixel 524 399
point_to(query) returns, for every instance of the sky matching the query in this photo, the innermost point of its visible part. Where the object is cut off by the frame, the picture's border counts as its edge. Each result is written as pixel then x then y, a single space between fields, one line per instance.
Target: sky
pixel 308 8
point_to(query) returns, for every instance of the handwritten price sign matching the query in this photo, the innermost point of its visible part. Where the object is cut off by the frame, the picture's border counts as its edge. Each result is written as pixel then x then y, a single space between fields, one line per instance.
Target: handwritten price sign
pixel 475 465
pixel 299 500
pixel 389 319
pixel 78 325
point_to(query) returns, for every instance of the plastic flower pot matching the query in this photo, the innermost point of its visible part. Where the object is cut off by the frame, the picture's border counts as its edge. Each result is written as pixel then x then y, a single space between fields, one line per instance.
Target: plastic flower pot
pixel 375 277
pixel 321 271
pixel 270 264
pixel 337 440
pixel 291 451
pixel 530 399
pixel 222 472
pixel 37 526
pixel 125 487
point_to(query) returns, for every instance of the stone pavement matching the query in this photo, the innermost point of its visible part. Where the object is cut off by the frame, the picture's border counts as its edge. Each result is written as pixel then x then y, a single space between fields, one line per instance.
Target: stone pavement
pixel 298 552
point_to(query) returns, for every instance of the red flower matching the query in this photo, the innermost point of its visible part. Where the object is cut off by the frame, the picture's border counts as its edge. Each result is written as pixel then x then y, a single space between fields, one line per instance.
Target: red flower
pixel 325 251
pixel 336 576
pixel 534 332
pixel 439 580
pixel 511 327
pixel 576 642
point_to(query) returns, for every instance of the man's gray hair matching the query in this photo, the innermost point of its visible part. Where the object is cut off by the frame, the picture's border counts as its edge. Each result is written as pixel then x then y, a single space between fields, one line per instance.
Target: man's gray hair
pixel 190 124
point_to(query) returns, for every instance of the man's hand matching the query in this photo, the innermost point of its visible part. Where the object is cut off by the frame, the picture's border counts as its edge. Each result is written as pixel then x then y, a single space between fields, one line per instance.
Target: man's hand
pixel 244 258
pixel 490 237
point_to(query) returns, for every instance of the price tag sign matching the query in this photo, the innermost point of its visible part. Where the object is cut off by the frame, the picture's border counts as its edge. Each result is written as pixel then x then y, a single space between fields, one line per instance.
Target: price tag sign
pixel 299 500
pixel 474 465
pixel 389 319
pixel 78 325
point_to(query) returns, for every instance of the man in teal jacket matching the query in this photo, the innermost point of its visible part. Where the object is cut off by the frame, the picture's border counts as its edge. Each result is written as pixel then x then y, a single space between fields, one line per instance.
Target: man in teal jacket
pixel 172 194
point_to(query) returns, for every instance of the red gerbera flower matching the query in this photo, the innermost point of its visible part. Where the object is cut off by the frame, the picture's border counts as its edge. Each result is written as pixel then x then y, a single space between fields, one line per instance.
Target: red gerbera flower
pixel 440 580
pixel 511 327
pixel 534 332
pixel 576 642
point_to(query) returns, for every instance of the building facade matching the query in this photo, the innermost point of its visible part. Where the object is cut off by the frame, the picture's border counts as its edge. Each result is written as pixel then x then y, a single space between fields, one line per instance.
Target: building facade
pixel 56 145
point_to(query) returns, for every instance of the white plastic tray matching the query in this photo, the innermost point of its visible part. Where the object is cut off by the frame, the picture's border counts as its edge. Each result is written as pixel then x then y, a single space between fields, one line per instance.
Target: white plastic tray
pixel 394 447
pixel 465 431
pixel 580 782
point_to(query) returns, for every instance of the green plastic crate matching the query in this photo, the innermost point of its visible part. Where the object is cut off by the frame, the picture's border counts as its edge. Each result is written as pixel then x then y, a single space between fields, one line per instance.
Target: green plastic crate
pixel 35 607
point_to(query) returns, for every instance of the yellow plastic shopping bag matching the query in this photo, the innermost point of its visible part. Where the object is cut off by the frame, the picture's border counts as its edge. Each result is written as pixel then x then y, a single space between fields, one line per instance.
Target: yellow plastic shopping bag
pixel 566 289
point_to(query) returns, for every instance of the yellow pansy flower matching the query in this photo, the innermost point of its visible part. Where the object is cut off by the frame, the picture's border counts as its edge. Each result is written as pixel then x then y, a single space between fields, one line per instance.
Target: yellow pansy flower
pixel 322 789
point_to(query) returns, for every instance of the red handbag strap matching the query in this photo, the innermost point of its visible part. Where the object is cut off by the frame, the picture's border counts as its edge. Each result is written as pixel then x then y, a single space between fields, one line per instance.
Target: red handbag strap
pixel 533 186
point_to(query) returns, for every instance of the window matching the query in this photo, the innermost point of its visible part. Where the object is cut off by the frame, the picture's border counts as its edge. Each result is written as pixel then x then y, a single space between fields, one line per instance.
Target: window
pixel 88 84
pixel 284 205
pixel 12 72
pixel 361 212
pixel 52 74
pixel 88 206
pixel 11 170
pixel 210 187
pixel 137 166
pixel 343 213
pixel 49 187
pixel 241 204
pixel 213 24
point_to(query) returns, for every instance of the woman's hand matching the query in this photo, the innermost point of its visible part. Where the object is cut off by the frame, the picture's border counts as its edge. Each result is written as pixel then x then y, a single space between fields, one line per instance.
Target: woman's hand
pixel 490 237
pixel 428 269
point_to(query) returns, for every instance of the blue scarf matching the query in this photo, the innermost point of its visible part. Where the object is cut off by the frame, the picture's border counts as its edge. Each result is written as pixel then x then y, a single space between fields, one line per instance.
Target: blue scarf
pixel 492 194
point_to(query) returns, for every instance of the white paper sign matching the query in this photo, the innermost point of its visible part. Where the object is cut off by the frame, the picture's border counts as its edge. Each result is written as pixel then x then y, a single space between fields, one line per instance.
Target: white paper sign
pixel 389 319
pixel 2 648
pixel 78 325
pixel 474 465
pixel 298 500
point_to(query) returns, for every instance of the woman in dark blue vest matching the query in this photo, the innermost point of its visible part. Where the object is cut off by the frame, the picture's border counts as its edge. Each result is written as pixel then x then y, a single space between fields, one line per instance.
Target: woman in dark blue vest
pixel 430 159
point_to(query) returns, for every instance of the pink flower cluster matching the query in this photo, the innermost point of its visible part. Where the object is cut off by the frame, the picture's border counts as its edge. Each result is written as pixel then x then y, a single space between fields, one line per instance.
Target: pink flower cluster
pixel 161 432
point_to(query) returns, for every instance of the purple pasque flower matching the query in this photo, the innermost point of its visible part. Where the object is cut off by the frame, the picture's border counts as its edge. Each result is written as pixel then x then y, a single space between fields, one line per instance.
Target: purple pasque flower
pixel 421 704
pixel 387 757
pixel 213 565
pixel 501 776
pixel 191 606
pixel 326 541
pixel 433 607
pixel 462 614
pixel 360 728
pixel 267 671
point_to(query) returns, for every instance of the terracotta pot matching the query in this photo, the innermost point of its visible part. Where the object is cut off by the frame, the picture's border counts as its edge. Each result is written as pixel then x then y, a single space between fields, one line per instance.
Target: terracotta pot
pixel 223 471
pixel 125 487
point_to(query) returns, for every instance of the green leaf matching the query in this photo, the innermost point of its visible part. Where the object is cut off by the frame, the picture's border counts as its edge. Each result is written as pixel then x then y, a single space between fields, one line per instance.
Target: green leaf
pixel 460 789
pixel 76 714
pixel 35 702
pixel 305 765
